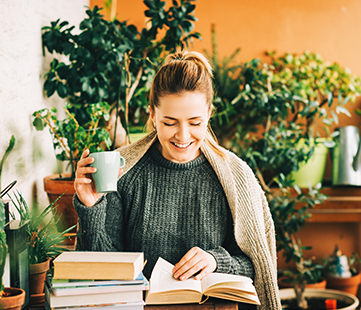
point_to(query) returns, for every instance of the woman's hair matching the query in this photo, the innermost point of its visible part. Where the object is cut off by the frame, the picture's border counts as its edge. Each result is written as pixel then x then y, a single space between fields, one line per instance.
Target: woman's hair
pixel 181 72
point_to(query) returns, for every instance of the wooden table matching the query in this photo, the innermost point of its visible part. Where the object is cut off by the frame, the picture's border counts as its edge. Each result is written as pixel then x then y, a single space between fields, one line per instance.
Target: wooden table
pixel 211 304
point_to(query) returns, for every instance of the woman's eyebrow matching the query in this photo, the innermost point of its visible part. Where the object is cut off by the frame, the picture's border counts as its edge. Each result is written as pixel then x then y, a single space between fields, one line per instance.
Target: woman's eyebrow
pixel 175 119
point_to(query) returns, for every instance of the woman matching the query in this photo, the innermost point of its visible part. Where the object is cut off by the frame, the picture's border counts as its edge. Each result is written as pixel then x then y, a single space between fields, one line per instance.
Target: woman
pixel 181 196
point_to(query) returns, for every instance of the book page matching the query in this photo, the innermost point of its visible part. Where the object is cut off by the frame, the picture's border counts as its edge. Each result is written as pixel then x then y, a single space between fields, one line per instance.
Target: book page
pixel 162 279
pixel 214 278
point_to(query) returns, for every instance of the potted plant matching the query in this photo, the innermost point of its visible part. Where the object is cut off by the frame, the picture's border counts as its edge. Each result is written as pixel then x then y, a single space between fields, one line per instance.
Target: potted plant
pixel 70 140
pixel 342 271
pixel 112 61
pixel 44 239
pixel 263 112
pixel 10 297
pixel 110 64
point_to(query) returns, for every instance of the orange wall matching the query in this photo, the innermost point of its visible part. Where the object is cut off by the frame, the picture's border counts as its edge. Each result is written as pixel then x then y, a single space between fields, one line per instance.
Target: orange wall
pixel 329 27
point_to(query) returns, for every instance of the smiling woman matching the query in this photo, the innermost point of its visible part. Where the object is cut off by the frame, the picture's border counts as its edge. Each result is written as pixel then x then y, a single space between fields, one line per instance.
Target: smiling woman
pixel 181 196
pixel 181 121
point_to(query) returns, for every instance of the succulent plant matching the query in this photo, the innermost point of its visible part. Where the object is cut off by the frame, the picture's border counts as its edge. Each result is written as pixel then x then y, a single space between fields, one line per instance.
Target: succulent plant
pixel 3 244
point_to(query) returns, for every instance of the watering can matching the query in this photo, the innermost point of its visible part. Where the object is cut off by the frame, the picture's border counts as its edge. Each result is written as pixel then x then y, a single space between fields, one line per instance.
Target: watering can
pixel 346 157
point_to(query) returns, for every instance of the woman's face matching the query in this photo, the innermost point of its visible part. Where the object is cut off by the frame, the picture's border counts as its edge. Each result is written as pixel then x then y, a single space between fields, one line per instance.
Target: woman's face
pixel 181 122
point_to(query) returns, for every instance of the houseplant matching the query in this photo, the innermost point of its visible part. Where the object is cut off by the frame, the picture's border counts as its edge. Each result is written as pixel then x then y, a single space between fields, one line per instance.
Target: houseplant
pixel 10 298
pixel 110 63
pixel 115 62
pixel 45 241
pixel 263 111
pixel 342 271
pixel 70 140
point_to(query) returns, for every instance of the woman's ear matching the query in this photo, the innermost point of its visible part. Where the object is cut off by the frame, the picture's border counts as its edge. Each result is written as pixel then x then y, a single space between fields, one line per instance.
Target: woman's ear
pixel 151 115
pixel 210 112
pixel 151 112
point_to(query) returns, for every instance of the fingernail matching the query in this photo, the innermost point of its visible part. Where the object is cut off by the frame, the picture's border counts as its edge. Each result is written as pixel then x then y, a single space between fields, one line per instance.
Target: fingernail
pixel 182 277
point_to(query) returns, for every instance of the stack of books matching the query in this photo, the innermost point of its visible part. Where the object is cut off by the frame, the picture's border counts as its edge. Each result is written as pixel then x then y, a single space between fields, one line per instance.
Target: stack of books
pixel 96 280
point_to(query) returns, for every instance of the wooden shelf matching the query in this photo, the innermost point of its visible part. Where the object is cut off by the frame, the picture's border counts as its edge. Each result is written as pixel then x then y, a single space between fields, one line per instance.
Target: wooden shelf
pixel 343 205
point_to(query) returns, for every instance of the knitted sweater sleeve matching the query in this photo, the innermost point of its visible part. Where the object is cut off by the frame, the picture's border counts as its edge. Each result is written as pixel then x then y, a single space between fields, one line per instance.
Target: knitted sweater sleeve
pixel 99 226
pixel 232 260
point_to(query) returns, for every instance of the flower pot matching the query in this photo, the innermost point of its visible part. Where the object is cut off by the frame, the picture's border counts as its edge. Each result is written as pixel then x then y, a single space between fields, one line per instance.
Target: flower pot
pixel 54 187
pixel 349 301
pixel 348 285
pixel 312 172
pixel 13 300
pixel 283 283
pixel 37 280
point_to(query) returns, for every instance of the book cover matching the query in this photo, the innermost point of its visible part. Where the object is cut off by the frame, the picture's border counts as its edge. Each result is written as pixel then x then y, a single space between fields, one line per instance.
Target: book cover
pixel 71 283
pixel 83 265
pixel 97 289
pixel 164 289
pixel 138 305
pixel 91 299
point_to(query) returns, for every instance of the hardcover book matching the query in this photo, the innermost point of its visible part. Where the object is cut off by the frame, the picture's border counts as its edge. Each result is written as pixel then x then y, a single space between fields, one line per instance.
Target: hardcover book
pixel 83 265
pixel 91 299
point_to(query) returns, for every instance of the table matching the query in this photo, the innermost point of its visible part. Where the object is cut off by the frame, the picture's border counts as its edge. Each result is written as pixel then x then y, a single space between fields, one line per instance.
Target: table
pixel 211 304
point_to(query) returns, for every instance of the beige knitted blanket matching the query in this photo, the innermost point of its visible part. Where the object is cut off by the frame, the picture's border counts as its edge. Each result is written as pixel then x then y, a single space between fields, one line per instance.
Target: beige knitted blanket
pixel 254 229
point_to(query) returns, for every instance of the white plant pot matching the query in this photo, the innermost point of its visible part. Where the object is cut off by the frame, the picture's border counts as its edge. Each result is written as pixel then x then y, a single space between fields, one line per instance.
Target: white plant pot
pixel 289 293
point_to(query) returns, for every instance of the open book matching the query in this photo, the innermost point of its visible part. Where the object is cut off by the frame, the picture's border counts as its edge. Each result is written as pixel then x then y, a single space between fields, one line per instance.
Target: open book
pixel 164 289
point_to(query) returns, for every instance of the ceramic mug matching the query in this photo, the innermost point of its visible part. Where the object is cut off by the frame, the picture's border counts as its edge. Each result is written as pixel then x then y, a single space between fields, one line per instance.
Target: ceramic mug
pixel 108 165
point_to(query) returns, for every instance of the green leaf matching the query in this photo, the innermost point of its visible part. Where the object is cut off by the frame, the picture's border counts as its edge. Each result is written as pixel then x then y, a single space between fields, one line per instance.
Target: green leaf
pixel 39 124
pixel 62 90
pixel 330 98
pixel 343 110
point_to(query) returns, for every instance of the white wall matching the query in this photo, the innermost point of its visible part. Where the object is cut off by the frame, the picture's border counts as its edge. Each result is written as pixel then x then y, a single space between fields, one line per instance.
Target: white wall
pixel 22 67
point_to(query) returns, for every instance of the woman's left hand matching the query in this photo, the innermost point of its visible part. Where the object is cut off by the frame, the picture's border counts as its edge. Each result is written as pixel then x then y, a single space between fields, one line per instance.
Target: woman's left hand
pixel 195 260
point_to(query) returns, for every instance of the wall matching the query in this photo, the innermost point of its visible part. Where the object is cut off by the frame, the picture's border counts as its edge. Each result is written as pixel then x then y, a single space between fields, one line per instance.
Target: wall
pixel 21 76
pixel 330 28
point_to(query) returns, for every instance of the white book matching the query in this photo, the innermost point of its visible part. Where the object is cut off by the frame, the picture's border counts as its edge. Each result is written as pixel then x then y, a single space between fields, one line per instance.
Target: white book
pixel 139 305
pixel 92 299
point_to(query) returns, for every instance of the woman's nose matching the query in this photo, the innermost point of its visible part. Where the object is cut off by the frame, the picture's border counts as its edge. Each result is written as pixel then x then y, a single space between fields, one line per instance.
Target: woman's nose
pixel 182 133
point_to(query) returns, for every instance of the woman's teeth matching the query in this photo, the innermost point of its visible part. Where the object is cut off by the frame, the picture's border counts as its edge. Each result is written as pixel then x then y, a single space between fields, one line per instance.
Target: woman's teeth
pixel 182 146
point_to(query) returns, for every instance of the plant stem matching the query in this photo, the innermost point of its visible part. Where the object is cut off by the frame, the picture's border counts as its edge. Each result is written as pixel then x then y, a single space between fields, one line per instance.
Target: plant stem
pixel 46 120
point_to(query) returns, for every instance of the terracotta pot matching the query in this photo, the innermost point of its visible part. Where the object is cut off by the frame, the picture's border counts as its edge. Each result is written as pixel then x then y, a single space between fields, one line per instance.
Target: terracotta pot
pixel 15 298
pixel 348 285
pixel 54 186
pixel 37 277
pixel 352 301
pixel 282 283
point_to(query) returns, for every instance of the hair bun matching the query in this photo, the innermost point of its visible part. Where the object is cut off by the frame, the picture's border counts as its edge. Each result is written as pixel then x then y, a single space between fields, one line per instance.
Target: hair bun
pixel 195 57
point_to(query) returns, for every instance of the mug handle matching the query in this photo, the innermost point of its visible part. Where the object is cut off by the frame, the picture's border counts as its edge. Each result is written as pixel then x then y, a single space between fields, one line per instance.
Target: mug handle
pixel 122 162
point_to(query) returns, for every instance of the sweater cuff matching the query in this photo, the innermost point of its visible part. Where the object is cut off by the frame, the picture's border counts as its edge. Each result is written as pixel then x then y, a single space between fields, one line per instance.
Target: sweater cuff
pixel 223 259
pixel 91 220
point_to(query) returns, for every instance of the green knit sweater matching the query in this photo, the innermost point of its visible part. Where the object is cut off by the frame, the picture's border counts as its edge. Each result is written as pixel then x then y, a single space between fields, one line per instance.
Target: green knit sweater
pixel 253 225
pixel 164 209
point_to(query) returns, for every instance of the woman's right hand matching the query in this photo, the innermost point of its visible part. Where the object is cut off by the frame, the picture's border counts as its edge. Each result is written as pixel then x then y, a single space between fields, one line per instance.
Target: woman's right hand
pixel 83 184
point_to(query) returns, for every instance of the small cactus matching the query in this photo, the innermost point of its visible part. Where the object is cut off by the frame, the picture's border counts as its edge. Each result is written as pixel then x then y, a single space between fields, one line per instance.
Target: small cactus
pixel 3 244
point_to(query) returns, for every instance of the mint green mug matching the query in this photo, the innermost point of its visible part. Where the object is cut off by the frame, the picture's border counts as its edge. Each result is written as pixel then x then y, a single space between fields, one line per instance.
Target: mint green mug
pixel 108 165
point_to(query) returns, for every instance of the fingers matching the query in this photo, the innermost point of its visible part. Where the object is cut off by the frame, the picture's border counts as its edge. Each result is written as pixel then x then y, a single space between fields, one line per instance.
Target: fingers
pixel 83 167
pixel 85 154
pixel 194 261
